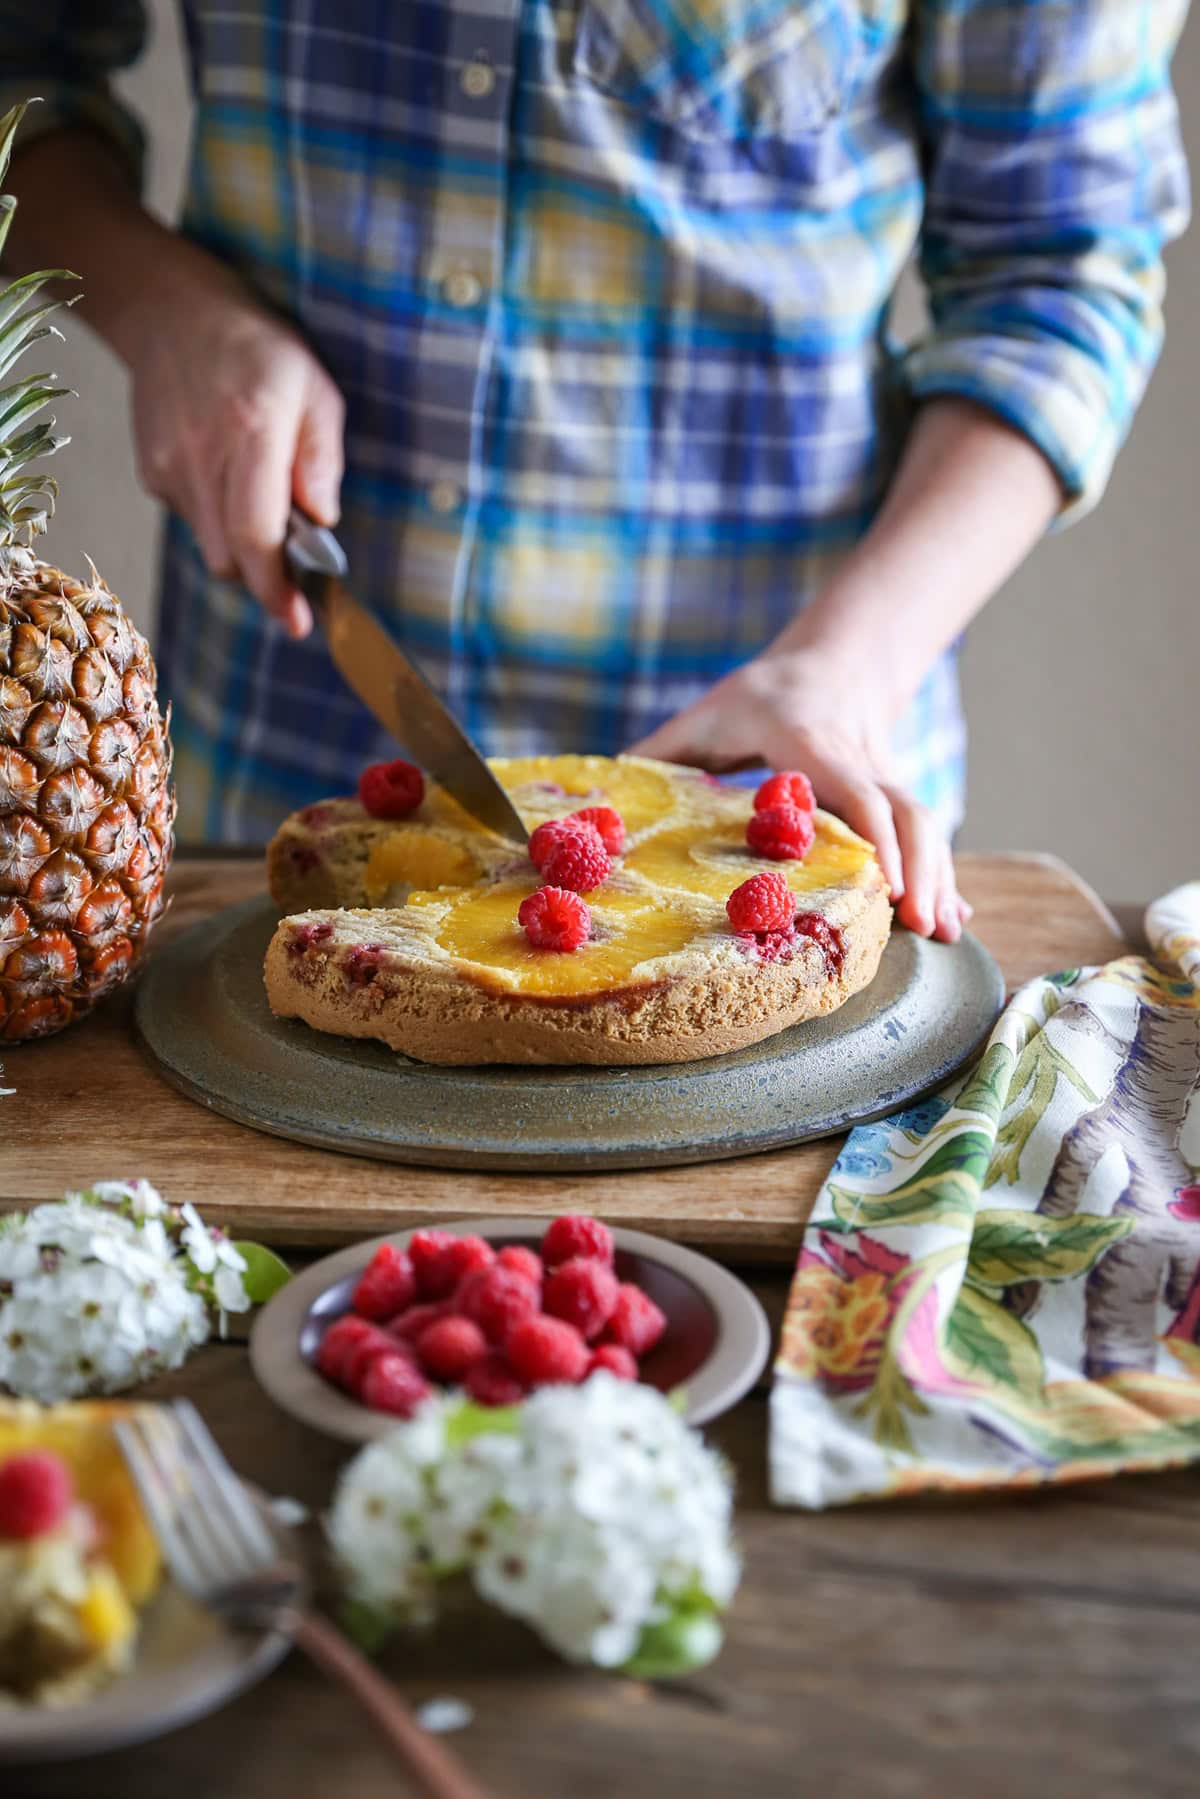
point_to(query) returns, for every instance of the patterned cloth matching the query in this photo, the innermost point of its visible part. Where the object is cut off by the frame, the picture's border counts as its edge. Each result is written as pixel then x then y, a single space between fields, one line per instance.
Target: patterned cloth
pixel 605 284
pixel 1001 1287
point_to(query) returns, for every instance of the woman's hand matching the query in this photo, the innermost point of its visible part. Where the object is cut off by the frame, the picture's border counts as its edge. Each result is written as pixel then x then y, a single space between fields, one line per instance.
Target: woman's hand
pixel 234 418
pixel 795 709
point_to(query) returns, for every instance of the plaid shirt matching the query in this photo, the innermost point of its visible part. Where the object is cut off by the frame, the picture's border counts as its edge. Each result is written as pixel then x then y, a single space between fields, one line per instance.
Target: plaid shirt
pixel 605 285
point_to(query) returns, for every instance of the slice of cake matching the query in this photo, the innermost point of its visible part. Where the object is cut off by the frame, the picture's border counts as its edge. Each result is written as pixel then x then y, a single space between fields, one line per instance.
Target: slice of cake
pixel 409 929
pixel 77 1558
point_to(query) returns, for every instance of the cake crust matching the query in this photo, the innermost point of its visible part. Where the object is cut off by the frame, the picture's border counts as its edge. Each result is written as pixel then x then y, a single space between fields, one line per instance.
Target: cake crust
pixel 354 959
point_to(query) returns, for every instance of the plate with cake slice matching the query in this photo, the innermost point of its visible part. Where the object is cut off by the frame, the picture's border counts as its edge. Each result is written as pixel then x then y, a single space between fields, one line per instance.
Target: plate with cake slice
pixel 98 1648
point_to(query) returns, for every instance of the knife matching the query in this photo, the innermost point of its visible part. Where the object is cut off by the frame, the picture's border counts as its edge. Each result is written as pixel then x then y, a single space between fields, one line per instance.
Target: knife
pixel 389 685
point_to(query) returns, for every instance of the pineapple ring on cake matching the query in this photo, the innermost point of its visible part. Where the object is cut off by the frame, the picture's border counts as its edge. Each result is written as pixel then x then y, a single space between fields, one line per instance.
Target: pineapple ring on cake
pixel 406 930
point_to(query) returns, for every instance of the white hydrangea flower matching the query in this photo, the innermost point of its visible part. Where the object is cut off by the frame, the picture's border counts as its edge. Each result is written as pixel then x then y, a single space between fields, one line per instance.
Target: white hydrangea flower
pixel 597 1515
pixel 96 1296
pixel 144 1200
pixel 376 1526
pixel 197 1241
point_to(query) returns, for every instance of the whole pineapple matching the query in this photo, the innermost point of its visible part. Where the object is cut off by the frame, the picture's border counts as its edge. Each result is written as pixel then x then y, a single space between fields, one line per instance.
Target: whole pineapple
pixel 86 808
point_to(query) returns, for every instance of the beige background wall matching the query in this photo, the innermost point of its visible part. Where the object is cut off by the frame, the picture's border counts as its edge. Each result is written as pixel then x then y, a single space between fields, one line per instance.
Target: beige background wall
pixel 1081 677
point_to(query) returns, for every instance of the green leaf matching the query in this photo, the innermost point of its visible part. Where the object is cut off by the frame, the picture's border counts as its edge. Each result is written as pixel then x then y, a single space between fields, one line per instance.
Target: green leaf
pixel 365 1626
pixel 989 1086
pixel 265 1272
pixel 1012 1246
pixel 19 293
pixel 945 1187
pixel 1038 1071
pixel 21 333
pixel 678 1646
pixel 469 1420
pixel 984 1343
pixel 24 398
pixel 8 131
pixel 940 1200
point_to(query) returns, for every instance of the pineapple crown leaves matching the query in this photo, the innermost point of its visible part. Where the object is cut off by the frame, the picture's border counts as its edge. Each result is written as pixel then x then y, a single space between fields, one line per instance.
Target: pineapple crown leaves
pixel 26 498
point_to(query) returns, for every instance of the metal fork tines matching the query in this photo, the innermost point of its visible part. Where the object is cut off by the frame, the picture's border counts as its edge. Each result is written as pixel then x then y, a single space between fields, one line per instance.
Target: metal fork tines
pixel 221 1550
pixel 216 1541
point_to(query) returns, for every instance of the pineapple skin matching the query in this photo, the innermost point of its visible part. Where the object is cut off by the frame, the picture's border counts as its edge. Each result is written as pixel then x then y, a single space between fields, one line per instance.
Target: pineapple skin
pixel 86 805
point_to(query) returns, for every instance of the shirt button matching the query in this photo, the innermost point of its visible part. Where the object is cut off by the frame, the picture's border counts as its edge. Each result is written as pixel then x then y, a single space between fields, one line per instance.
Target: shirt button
pixel 445 496
pixel 462 288
pixel 477 80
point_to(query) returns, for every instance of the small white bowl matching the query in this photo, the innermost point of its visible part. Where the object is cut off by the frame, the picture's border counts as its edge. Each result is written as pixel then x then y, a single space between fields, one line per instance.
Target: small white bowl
pixel 714 1348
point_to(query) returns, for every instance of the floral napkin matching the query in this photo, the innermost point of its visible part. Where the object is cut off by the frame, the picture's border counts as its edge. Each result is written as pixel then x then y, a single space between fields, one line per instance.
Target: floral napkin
pixel 1001 1285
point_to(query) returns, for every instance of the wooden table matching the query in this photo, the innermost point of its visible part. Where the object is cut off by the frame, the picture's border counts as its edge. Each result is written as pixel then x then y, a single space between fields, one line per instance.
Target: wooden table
pixel 93 1086
pixel 1036 1645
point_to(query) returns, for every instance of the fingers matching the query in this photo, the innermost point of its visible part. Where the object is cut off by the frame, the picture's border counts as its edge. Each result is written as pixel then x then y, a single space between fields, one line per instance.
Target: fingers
pixel 231 453
pixel 947 906
pixel 673 742
pixel 258 488
pixel 318 466
pixel 867 809
pixel 931 906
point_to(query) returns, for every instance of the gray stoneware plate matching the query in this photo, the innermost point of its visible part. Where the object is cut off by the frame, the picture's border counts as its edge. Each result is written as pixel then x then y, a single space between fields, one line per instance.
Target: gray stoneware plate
pixel 202 1014
pixel 188 1663
pixel 715 1346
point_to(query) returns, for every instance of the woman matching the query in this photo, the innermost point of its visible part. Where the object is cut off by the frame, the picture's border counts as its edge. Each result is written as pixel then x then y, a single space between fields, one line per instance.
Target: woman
pixel 589 298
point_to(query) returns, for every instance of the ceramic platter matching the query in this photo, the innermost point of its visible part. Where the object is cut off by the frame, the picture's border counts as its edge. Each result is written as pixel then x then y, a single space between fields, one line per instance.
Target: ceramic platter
pixel 202 1015
pixel 187 1664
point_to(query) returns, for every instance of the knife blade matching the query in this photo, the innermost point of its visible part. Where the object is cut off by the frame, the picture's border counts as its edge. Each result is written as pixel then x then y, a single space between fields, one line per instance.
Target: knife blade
pixel 389 685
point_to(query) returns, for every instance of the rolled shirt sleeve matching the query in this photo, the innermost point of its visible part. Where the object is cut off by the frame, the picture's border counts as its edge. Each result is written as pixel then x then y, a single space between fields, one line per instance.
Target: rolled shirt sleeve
pixel 64 53
pixel 1055 175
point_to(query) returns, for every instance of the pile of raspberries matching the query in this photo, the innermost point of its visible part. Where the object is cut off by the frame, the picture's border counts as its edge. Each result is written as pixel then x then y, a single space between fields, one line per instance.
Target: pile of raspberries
pixel 498 1323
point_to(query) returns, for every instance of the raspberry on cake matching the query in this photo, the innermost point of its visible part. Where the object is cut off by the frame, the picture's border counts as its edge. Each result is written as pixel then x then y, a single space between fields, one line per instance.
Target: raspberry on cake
pixel 445 943
pixel 554 919
pixel 784 833
pixel 543 840
pixel 763 903
pixel 36 1492
pixel 391 789
pixel 577 860
pixel 788 789
pixel 607 822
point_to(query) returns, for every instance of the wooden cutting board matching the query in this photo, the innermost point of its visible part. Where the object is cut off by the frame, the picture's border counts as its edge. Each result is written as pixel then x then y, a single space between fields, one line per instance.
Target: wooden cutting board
pixel 89 1107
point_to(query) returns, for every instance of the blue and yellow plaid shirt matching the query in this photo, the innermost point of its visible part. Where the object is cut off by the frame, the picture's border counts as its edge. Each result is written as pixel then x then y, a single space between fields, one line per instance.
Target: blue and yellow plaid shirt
pixel 606 286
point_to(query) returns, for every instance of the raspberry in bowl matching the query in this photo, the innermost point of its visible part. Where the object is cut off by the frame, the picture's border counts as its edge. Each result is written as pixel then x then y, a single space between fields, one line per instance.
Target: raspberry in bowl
pixel 541 1301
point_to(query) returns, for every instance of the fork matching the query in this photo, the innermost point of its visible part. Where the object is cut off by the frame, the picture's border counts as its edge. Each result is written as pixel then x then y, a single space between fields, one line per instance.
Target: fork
pixel 220 1550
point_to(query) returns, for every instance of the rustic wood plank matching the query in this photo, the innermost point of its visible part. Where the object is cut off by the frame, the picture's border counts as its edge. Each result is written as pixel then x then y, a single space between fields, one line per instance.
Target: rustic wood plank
pixel 921 1650
pixel 90 1106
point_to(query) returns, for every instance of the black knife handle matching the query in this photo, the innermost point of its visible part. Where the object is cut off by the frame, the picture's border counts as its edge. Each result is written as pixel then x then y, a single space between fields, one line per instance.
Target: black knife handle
pixel 312 556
